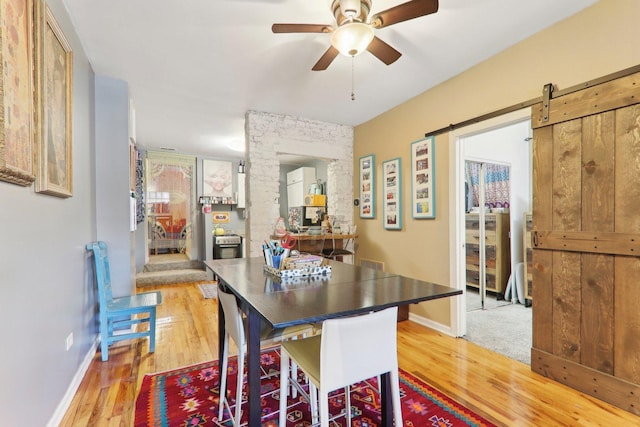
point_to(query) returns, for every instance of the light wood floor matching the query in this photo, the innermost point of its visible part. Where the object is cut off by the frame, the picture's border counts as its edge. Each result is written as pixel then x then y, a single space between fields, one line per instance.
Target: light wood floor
pixel 502 390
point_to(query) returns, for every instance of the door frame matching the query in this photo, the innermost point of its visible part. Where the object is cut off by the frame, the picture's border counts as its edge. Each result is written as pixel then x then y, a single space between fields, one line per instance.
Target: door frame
pixel 174 159
pixel 457 274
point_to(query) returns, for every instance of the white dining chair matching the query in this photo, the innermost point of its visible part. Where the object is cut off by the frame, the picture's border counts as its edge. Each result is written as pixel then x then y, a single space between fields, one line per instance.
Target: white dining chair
pixel 235 328
pixel 349 350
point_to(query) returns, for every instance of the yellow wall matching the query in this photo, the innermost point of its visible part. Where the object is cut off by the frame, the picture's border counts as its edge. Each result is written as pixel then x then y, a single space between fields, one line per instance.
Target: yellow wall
pixel 600 40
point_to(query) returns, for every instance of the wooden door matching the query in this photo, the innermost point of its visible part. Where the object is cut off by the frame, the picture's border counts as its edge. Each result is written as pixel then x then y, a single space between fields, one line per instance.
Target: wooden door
pixel 586 241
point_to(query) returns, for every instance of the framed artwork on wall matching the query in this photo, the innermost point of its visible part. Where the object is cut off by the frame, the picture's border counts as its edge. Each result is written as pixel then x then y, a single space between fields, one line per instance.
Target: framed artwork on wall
pixel 367 171
pixel 54 68
pixel 217 177
pixel 17 119
pixel 392 194
pixel 423 196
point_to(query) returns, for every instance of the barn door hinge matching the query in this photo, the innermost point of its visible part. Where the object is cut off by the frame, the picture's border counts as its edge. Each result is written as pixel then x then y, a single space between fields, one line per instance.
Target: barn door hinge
pixel 546 99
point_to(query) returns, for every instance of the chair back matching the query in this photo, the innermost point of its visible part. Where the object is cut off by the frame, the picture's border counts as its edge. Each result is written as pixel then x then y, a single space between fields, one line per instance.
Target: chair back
pixel 232 317
pixel 356 348
pixel 103 275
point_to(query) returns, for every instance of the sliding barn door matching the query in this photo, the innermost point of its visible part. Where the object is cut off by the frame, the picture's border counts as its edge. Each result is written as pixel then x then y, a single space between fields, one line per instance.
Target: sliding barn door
pixel 586 241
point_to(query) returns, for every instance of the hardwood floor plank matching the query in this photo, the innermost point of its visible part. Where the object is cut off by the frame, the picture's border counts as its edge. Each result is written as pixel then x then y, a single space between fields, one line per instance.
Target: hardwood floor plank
pixel 504 391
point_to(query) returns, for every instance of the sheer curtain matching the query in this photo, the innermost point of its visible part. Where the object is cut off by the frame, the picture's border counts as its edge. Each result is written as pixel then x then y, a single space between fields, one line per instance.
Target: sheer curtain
pixel 169 198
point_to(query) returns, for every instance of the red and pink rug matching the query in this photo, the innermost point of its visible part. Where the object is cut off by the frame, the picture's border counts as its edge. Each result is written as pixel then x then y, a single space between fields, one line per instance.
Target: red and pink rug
pixel 189 397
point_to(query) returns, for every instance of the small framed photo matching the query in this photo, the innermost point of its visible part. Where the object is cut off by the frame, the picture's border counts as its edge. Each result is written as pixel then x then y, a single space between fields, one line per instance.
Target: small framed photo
pixel 423 196
pixel 392 194
pixel 367 186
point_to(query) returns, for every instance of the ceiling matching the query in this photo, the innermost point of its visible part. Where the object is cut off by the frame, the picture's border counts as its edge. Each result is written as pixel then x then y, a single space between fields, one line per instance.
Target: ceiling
pixel 194 68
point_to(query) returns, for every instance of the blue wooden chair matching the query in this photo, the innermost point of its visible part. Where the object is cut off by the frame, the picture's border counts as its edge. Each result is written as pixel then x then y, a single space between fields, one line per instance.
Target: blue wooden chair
pixel 116 314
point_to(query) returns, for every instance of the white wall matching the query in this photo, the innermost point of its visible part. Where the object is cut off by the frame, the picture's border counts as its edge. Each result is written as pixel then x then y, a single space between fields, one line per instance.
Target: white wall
pixel 508 145
pixel 44 284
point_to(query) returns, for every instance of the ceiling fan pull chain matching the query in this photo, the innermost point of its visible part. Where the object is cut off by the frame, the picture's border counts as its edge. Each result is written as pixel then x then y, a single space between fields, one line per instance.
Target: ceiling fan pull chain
pixel 353 92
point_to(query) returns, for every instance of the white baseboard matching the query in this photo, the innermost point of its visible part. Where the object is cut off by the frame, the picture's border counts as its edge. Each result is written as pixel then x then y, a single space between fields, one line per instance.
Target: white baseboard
pixel 447 330
pixel 65 403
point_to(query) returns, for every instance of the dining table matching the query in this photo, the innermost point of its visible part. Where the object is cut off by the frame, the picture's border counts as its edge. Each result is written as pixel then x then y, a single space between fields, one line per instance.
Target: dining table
pixel 345 290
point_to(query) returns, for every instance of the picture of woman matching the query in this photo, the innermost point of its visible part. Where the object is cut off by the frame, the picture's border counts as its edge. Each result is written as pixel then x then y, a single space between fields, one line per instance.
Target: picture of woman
pixel 218 178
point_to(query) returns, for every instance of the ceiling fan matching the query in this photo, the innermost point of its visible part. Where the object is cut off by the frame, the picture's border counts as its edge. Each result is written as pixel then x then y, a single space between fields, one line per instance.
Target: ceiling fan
pixel 352 33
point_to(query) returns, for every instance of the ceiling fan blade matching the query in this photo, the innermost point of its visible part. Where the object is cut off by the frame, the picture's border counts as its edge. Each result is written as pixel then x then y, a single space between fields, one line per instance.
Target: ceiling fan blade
pixel 383 51
pixel 326 59
pixel 403 12
pixel 301 28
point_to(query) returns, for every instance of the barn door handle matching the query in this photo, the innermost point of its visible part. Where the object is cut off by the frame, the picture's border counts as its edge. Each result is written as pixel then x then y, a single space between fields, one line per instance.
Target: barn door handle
pixel 535 238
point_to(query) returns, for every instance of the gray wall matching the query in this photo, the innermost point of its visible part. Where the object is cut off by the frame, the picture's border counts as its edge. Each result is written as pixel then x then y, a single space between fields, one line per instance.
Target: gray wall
pixel 44 275
pixel 112 180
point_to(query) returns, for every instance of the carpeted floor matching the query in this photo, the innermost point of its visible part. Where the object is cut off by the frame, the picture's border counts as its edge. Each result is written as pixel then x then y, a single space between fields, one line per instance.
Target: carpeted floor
pixel 502 327
pixel 169 269
pixel 190 396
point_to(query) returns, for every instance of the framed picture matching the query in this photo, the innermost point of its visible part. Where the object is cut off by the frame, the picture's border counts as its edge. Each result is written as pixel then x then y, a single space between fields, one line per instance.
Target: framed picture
pixel 367 186
pixel 217 177
pixel 17 82
pixel 54 68
pixel 423 196
pixel 392 194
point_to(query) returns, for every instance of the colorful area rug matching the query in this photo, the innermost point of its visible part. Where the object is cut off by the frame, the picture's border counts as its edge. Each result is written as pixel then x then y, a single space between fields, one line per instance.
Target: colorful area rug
pixel 189 397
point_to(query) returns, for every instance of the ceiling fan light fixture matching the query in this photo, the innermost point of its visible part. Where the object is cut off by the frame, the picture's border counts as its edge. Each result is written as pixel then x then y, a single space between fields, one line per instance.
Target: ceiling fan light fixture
pixel 352 39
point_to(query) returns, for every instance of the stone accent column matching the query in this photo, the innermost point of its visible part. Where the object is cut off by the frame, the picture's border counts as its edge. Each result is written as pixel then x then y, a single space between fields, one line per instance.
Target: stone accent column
pixel 268 135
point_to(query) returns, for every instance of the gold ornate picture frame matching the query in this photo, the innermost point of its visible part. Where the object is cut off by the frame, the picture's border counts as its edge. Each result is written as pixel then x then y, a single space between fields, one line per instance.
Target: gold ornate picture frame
pixel 17 119
pixel 54 96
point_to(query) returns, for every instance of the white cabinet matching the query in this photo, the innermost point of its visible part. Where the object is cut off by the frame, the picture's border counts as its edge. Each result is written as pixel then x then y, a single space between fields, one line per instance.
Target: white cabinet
pixel 298 183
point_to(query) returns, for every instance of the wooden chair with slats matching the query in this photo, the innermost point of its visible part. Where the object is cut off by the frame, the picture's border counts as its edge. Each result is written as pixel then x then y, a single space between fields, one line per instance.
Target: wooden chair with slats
pixel 118 315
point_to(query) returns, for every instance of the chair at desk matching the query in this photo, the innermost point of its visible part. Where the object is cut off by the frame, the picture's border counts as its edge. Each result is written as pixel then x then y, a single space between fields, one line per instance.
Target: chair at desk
pixel 234 327
pixel 117 314
pixel 348 247
pixel 333 360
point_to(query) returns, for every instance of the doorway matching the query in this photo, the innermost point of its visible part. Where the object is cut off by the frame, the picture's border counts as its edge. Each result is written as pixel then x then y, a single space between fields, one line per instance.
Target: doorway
pixel 169 203
pixel 487 232
pixel 505 141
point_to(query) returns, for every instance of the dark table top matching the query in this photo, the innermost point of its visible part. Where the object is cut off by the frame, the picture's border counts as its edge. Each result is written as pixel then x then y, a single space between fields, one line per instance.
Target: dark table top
pixel 347 291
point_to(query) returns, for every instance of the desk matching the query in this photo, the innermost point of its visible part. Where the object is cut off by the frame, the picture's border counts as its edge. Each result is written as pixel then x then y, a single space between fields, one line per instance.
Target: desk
pixel 348 291
pixel 310 243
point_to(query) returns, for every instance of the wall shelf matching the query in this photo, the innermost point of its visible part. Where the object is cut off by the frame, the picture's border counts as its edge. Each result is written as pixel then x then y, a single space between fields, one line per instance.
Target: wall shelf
pixel 209 200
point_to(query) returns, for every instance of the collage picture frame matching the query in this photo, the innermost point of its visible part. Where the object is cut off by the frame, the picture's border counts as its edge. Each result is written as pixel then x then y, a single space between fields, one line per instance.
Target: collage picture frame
pixel 392 194
pixel 367 174
pixel 423 197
